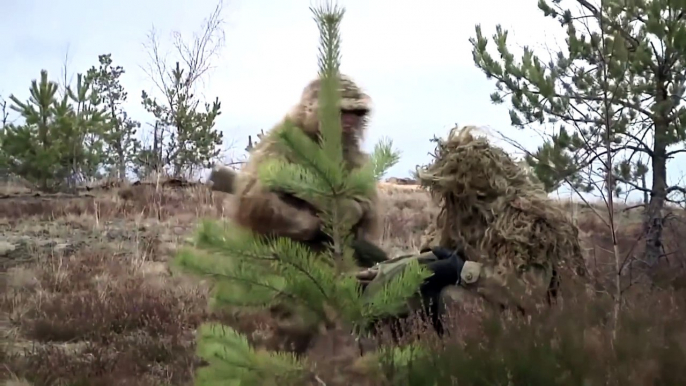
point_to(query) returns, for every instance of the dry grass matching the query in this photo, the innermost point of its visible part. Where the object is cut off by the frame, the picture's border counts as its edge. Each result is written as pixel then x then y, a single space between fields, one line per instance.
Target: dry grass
pixel 87 298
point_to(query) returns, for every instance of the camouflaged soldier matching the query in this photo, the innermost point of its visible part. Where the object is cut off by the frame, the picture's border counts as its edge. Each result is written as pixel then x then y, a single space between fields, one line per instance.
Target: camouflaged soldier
pixel 519 243
pixel 516 244
pixel 277 213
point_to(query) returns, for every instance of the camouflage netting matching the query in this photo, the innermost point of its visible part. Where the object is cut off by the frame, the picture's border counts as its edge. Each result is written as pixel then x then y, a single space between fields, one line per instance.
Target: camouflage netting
pixel 495 208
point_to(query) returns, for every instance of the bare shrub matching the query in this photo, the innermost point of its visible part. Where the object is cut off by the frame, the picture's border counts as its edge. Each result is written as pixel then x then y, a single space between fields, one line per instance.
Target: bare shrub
pixel 567 345
pixel 95 318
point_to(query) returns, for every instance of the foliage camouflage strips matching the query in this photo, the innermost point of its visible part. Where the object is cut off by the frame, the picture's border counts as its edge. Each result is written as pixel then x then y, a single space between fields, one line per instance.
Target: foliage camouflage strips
pixel 493 206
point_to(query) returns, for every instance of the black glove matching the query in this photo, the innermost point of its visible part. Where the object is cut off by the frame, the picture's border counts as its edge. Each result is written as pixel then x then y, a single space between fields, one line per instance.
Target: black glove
pixel 446 271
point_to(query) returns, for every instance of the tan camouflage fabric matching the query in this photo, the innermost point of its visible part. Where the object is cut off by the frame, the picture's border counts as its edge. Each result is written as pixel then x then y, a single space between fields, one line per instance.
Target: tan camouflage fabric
pixel 301 223
pixel 352 96
pixel 499 283
pixel 428 238
pixel 516 238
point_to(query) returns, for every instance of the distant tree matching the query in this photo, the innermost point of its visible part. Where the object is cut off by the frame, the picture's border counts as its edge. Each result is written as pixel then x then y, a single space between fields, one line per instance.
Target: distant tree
pixel 85 122
pixel 120 138
pixel 193 140
pixel 4 116
pixel 185 137
pixel 614 92
pixel 57 144
pixel 148 159
pixel 384 157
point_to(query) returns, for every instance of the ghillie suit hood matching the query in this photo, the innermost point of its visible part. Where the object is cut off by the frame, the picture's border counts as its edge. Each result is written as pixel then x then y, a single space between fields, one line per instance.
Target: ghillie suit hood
pixel 305 116
pixel 496 209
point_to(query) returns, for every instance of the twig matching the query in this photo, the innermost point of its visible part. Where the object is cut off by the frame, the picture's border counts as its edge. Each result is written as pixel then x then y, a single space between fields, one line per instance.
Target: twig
pixel 319 380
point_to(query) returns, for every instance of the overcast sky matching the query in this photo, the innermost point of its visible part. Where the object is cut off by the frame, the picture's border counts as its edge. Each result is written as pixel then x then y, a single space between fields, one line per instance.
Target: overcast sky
pixel 412 56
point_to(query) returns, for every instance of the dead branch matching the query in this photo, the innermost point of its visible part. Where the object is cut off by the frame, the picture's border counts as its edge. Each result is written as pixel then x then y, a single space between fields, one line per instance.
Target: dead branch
pixel 4 114
pixel 251 145
pixel 66 77
pixel 196 55
pixel 157 66
pixel 204 47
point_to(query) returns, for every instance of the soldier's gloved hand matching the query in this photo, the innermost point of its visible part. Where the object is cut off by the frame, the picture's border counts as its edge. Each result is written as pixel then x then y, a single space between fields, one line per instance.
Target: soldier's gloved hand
pixel 446 271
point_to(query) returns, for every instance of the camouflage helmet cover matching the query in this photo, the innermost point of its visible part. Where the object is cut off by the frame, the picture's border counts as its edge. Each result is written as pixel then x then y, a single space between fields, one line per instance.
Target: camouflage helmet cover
pixel 352 96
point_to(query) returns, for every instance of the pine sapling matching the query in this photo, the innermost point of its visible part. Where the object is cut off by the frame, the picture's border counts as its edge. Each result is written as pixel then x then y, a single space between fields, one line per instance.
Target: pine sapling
pixel 252 273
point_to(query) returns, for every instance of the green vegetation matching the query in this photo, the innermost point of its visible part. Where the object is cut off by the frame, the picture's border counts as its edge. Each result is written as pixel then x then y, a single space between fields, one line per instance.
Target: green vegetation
pixel 255 272
pixel 613 96
pixel 92 301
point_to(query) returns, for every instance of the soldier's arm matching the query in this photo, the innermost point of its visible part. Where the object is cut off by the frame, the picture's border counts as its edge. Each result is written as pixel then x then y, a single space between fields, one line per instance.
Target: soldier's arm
pixel 369 225
pixel 272 213
pixel 521 288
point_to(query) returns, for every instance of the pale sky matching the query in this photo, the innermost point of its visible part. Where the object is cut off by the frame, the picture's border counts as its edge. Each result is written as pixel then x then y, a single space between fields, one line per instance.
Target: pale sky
pixel 413 58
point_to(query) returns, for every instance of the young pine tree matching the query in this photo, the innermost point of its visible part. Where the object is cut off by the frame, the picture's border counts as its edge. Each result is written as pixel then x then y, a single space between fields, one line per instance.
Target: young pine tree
pixel 193 141
pixel 255 272
pixel 85 123
pixel 617 87
pixel 122 145
pixel 49 148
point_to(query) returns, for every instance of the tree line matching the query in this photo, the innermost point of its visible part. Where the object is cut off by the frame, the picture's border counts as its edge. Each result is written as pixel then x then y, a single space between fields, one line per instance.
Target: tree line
pixel 67 134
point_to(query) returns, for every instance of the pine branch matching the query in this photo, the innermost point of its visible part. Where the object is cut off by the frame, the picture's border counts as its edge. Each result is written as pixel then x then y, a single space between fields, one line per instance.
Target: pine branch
pixel 280 265
pixel 392 298
pixel 384 157
pixel 233 361
pixel 328 22
pixel 310 174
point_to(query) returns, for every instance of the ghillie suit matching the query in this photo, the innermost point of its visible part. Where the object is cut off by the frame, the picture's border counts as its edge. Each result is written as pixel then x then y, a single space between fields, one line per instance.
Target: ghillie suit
pixel 498 237
pixel 519 242
pixel 276 213
pixel 268 212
